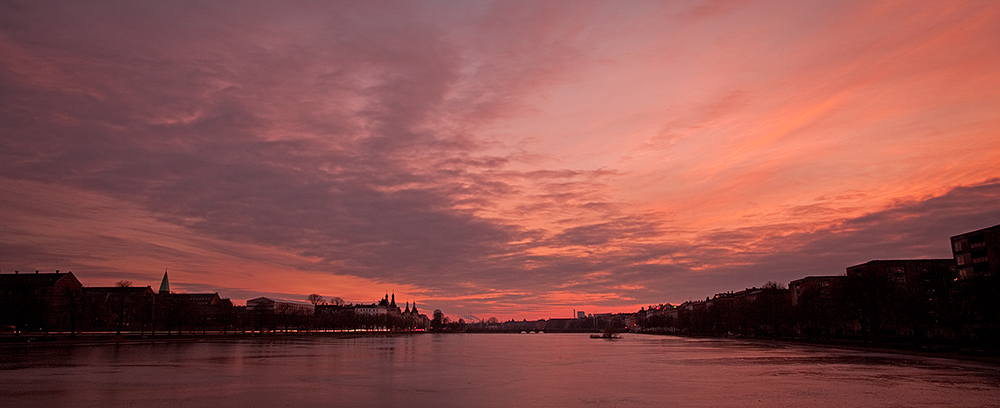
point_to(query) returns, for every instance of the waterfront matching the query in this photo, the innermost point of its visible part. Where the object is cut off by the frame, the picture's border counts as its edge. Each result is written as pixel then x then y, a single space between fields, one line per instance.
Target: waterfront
pixel 485 370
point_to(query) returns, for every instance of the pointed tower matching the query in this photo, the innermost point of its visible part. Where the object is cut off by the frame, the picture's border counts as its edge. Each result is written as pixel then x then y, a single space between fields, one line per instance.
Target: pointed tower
pixel 393 303
pixel 165 284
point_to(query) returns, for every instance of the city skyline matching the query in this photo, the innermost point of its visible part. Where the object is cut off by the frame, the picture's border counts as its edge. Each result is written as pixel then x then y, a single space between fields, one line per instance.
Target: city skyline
pixel 516 160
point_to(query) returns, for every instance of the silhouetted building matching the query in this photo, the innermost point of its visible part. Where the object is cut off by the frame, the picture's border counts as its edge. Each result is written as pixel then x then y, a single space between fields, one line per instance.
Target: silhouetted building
pixel 977 253
pixel 557 324
pixel 389 306
pixel 900 297
pixel 164 285
pixel 414 319
pixel 822 286
pixel 752 311
pixel 40 301
pixel 384 307
pixel 977 257
pixel 203 300
pixel 280 307
pixel 118 308
pixel 438 321
pixel 819 306
pixel 904 273
pixel 373 309
pixel 665 310
pixel 209 308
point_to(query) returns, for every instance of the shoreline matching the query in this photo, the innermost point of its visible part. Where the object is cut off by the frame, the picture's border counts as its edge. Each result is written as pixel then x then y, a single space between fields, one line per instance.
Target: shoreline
pixel 888 349
pixel 925 350
pixel 85 339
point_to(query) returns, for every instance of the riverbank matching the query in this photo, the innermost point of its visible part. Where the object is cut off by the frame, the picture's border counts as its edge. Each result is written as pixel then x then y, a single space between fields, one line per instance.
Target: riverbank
pixel 948 351
pixel 922 350
pixel 83 339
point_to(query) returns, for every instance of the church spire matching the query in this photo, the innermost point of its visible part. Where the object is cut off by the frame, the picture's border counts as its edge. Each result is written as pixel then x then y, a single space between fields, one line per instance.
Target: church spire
pixel 165 284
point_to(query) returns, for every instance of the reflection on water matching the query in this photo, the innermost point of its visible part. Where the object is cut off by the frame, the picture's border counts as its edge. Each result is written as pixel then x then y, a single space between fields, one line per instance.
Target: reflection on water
pixel 485 370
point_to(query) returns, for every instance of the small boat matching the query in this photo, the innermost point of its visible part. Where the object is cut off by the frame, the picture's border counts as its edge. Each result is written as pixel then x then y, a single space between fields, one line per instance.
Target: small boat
pixel 608 334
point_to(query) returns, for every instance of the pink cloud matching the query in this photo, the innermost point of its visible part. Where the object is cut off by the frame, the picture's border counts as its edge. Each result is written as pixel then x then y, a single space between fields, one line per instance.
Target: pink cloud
pixel 514 157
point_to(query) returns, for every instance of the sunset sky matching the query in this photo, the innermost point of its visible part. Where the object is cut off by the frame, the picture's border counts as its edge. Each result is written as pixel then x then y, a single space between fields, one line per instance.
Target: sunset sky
pixel 508 159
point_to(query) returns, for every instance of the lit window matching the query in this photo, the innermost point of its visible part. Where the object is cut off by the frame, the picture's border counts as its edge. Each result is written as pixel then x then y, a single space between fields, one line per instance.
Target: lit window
pixel 963 259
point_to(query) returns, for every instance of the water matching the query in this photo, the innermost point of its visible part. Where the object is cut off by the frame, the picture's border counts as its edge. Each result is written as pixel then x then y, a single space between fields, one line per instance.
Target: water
pixel 486 370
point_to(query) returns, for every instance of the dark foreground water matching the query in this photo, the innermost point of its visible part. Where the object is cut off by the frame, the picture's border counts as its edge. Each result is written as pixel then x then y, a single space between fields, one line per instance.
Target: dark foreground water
pixel 485 370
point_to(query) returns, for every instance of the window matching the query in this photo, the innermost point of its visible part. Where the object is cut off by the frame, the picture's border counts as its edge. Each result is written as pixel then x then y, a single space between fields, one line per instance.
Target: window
pixel 958 245
pixel 962 259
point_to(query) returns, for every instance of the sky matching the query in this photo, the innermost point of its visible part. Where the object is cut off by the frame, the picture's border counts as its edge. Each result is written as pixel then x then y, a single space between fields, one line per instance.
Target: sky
pixel 507 159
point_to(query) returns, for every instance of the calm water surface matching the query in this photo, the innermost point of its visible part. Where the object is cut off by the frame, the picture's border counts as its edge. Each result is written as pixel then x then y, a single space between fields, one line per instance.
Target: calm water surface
pixel 486 370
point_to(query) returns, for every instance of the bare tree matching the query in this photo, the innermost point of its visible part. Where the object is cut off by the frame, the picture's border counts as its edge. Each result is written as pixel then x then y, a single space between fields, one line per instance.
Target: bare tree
pixel 315 299
pixel 772 285
pixel 123 284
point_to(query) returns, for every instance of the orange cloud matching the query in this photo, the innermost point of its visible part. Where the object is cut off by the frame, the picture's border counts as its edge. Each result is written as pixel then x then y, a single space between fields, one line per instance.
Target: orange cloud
pixel 509 158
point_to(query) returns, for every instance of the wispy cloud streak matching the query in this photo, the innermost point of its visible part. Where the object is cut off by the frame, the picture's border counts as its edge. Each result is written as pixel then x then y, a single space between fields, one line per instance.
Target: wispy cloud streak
pixel 516 158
